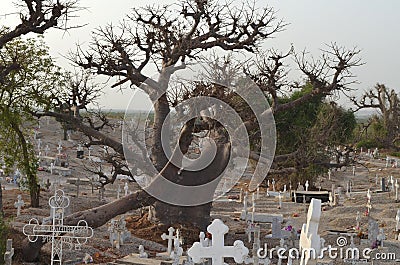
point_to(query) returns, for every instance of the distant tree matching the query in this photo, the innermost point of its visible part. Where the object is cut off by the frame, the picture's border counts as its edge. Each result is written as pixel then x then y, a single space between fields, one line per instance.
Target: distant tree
pixel 386 125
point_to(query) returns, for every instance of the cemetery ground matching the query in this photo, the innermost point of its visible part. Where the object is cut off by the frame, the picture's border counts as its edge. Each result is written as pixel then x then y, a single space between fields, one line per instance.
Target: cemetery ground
pixel 341 218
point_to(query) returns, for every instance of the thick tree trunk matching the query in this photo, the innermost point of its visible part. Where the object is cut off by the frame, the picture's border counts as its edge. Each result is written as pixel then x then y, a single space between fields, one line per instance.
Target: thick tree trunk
pixel 196 215
pixel 161 111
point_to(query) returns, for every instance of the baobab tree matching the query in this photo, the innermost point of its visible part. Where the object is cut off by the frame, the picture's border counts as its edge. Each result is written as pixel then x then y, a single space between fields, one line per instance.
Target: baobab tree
pixel 170 39
pixel 386 101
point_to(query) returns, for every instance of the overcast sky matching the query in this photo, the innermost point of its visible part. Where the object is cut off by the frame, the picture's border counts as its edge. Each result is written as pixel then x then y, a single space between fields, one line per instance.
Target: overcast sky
pixel 373 26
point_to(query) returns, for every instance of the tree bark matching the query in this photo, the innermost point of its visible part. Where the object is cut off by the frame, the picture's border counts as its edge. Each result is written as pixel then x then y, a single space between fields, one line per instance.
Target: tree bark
pixel 199 215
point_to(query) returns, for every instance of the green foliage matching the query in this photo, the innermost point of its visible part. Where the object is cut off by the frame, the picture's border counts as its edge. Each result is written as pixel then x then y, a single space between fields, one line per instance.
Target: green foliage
pixel 396 154
pixel 293 125
pixel 22 91
pixel 308 129
pixel 368 144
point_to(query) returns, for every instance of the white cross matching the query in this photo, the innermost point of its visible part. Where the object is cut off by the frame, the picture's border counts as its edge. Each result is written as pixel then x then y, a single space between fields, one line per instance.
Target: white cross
pixel 397 189
pixel 307 185
pixel 126 188
pixel 9 253
pixel 90 151
pixel 170 237
pixel 39 144
pixel 58 233
pixel 59 148
pixel 218 251
pixel 18 204
pixel 369 205
pixel 358 218
pixel 46 150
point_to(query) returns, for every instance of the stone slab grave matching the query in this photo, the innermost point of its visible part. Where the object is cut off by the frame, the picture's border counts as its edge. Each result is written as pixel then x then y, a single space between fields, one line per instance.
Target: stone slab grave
pixel 134 259
pixel 61 170
pixel 9 253
pixel 320 195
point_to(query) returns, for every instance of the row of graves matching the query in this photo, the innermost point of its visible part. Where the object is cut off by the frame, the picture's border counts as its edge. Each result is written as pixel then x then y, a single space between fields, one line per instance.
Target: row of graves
pixel 288 225
pixel 304 246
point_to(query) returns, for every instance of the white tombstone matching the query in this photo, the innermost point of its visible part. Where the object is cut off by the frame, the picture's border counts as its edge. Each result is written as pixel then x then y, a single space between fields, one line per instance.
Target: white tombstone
pixel 244 211
pixel 218 251
pixel 142 253
pixel 369 204
pixel 170 238
pixel 309 238
pixel 307 185
pixel 381 237
pixel 59 149
pixel 329 174
pixel 39 143
pixel 373 231
pixel 358 219
pixel 387 161
pixel 77 235
pixel 398 220
pixel 354 170
pixel 280 201
pixel 126 189
pixel 114 237
pixel 46 150
pixel 205 242
pixel 118 232
pixel 252 228
pixel 18 204
pixel 273 184
pixel 9 253
pixel 396 185
pixel 176 254
pixel 118 192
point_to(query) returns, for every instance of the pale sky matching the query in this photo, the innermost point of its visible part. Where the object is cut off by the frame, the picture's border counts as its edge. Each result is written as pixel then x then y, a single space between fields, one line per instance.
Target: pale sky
pixel 372 26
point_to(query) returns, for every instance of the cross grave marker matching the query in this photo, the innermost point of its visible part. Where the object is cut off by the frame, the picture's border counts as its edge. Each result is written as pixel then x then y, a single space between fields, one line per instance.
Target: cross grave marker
pixel 57 233
pixel 218 251
pixel 18 204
